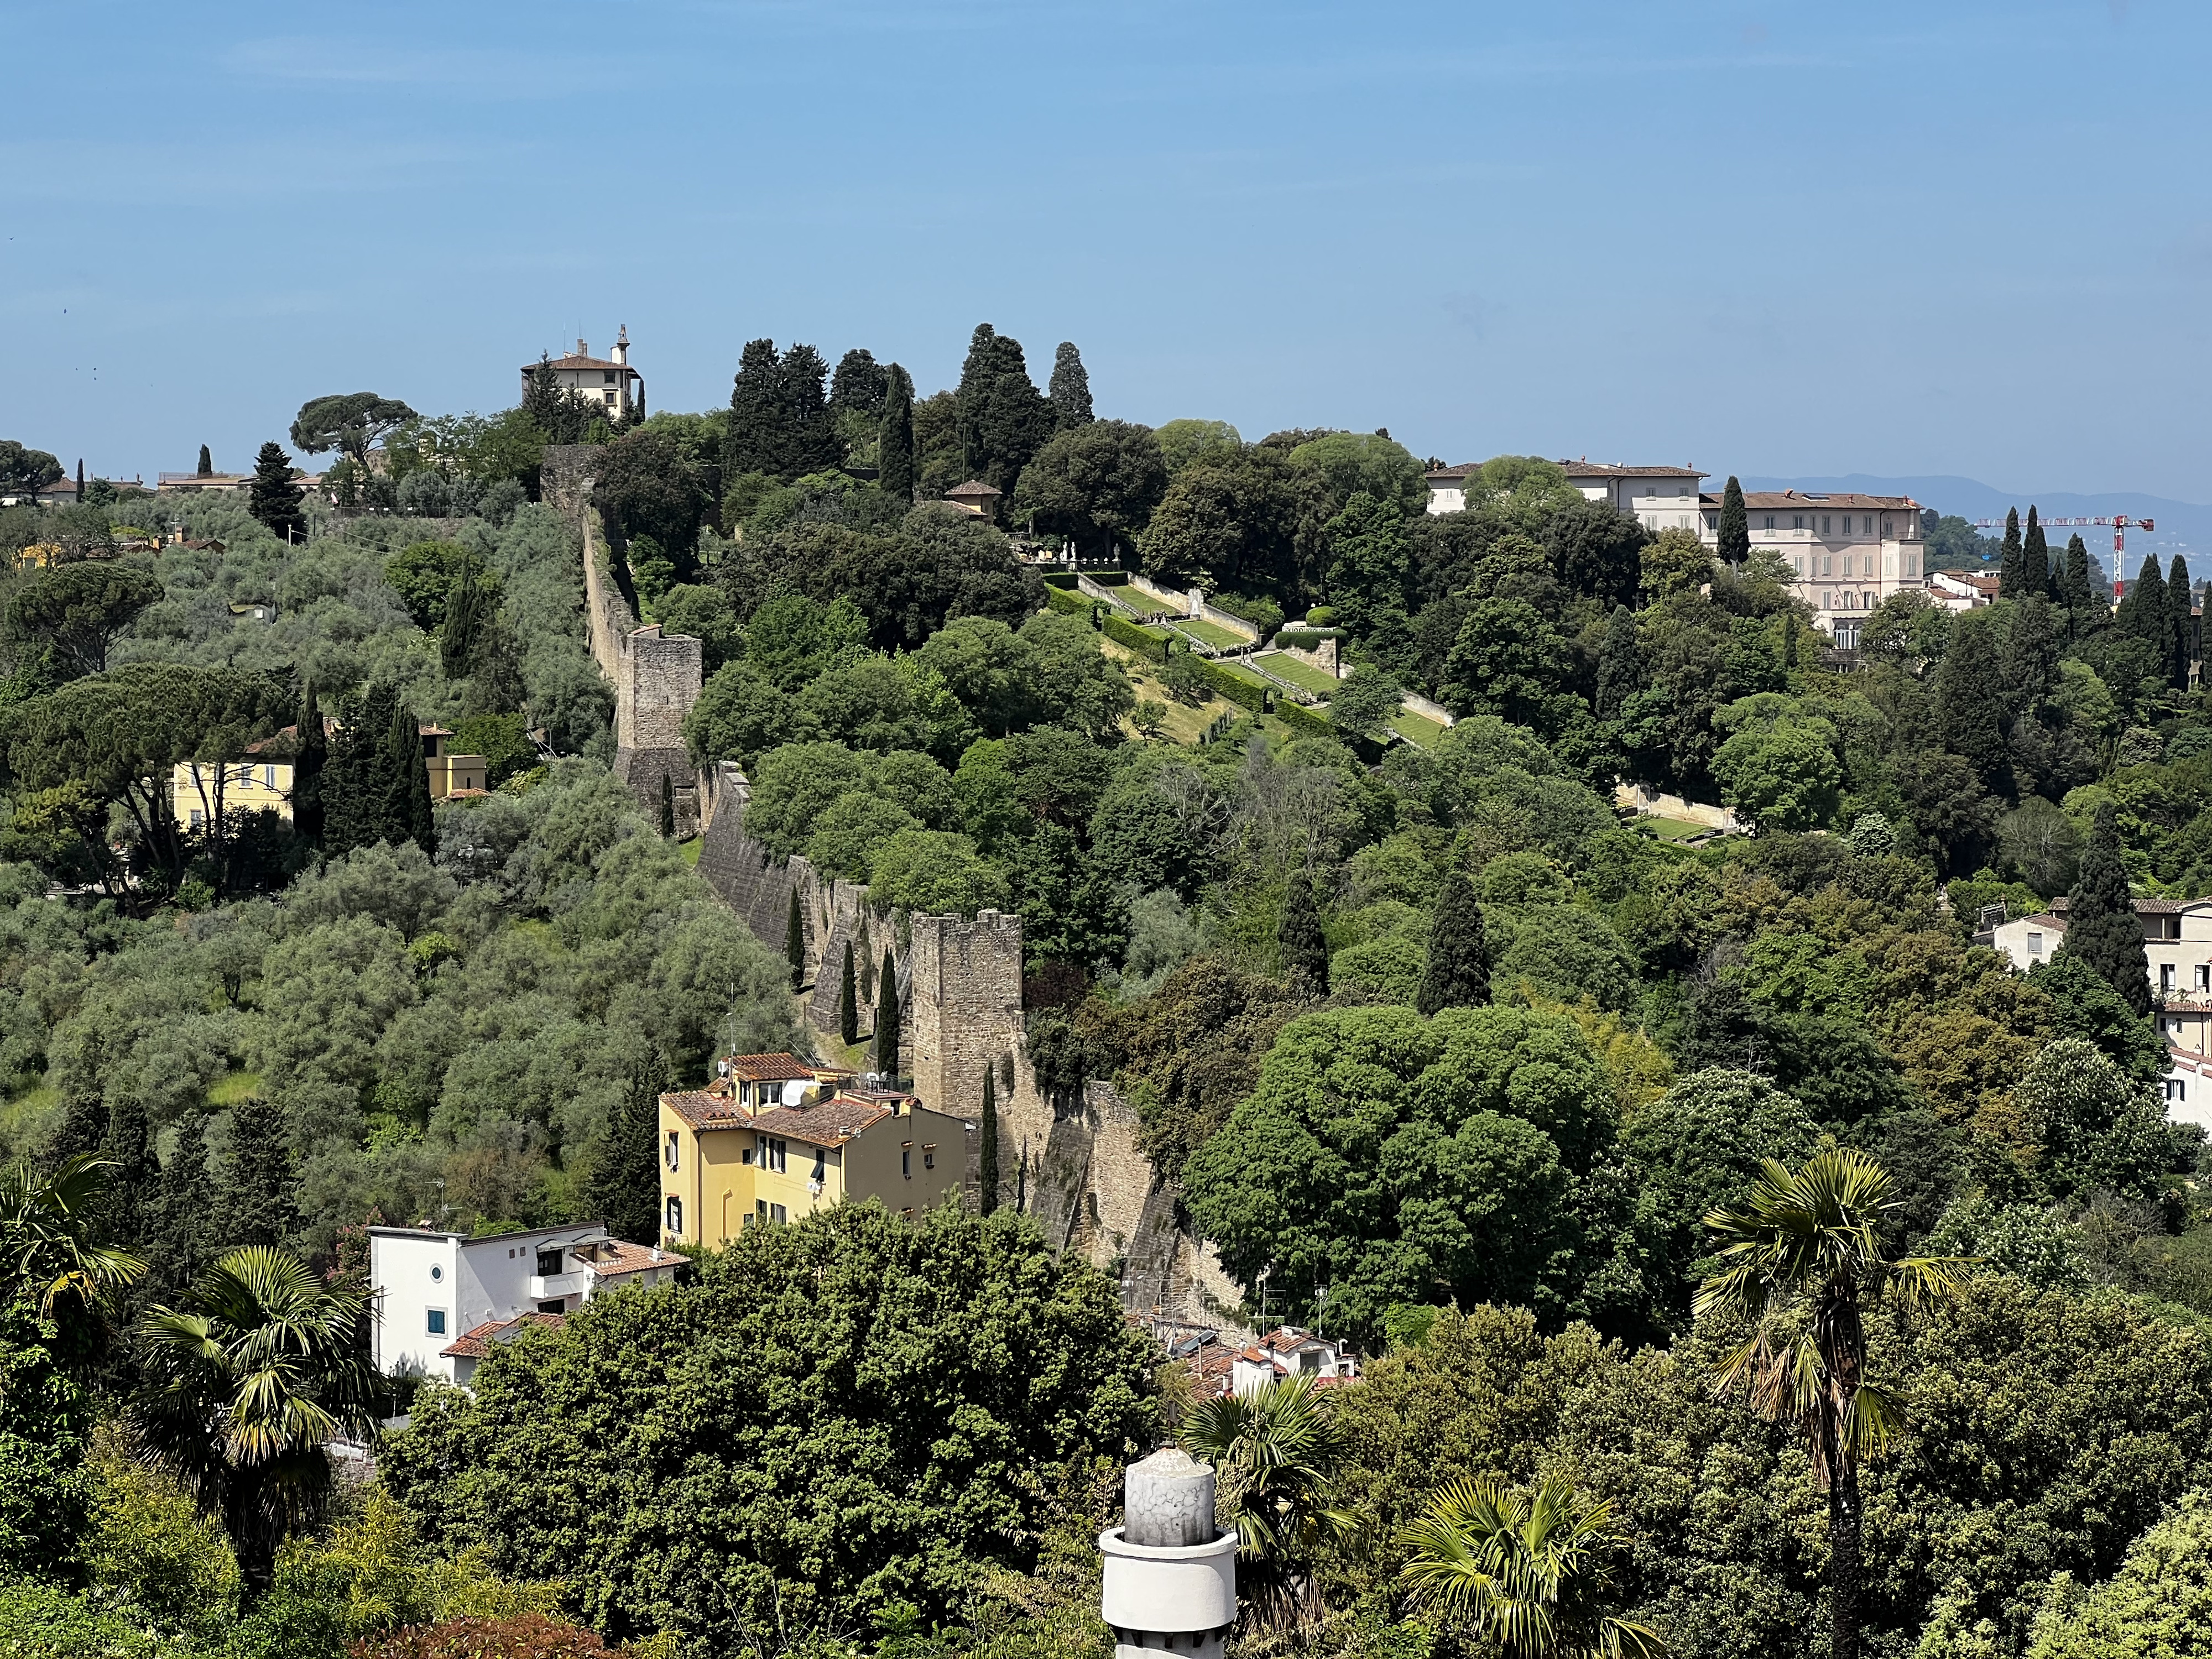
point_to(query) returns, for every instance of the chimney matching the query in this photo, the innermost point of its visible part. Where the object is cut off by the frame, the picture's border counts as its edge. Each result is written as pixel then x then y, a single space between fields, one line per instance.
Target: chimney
pixel 1169 1587
pixel 582 351
pixel 622 344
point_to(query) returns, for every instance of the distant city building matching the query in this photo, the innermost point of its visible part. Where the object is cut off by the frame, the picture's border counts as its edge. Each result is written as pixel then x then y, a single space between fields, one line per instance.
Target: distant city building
pixel 975 496
pixel 1660 497
pixel 1846 553
pixel 608 380
pixel 1960 590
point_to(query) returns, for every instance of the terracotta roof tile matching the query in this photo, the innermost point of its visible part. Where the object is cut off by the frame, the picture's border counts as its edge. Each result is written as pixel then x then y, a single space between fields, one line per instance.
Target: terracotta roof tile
pixel 476 1344
pixel 974 487
pixel 1604 469
pixel 612 1258
pixel 770 1068
pixel 830 1122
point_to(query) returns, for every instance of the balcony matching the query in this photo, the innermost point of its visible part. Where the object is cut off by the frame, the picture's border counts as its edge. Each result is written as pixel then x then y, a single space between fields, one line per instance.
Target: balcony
pixel 544 1287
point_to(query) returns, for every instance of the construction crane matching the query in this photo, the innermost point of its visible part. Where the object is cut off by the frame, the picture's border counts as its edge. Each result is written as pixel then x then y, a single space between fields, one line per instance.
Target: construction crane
pixel 2120 523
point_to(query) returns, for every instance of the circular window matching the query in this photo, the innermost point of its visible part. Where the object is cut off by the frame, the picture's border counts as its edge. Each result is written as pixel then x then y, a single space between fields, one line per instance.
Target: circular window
pixel 437 1274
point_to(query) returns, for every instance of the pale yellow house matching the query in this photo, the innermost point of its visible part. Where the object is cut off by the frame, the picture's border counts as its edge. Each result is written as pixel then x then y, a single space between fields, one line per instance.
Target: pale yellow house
pixel 246 786
pixel 772 1139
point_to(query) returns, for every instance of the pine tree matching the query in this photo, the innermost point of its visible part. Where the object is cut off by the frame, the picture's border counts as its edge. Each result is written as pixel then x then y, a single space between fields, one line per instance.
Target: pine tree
pixel 207 463
pixel 2182 626
pixel 1069 392
pixel 1620 663
pixel 2102 928
pixel 794 942
pixel 1458 971
pixel 2012 570
pixel 849 1002
pixel 462 631
pixel 273 497
pixel 887 1017
pixel 261 1204
pixel 2034 557
pixel 1970 699
pixel 895 437
pixel 1734 546
pixel 623 1188
pixel 986 1161
pixel 310 753
pixel 183 1208
pixel 1298 941
pixel 667 807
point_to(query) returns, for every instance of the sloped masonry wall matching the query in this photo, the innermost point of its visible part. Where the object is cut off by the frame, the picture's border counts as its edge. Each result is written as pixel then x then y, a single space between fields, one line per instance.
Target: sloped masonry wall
pixel 656 676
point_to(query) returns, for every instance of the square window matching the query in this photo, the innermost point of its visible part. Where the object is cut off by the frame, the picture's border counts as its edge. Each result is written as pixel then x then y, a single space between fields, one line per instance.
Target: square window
pixel 434 1323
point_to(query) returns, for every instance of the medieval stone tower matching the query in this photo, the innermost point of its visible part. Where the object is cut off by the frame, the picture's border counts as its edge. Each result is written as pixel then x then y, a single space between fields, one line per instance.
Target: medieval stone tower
pixel 966 1009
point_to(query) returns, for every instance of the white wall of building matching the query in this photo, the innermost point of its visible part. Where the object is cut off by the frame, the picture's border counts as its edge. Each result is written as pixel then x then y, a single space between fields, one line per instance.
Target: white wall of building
pixel 431 1287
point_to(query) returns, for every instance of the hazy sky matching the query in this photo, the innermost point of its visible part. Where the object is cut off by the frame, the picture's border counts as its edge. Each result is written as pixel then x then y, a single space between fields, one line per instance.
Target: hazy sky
pixel 1769 238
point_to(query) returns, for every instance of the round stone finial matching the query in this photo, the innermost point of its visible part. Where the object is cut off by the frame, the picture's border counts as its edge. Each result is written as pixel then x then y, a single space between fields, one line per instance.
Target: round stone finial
pixel 1168 1501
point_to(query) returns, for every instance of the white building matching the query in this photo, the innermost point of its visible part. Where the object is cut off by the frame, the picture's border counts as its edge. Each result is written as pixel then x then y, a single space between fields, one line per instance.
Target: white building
pixel 1846 553
pixel 1290 1351
pixel 2177 947
pixel 432 1289
pixel 608 380
pixel 1662 497
pixel 1960 590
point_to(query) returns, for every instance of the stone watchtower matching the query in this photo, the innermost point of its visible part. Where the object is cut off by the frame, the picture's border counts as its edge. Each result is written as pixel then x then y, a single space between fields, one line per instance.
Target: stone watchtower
pixel 967 1007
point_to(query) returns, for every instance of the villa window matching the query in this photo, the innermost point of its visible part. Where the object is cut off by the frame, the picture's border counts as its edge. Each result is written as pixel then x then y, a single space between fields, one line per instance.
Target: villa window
pixel 1770 521
pixel 675 1215
pixel 1824 524
pixel 2203 976
pixel 906 1163
pixel 435 1322
pixel 2176 1090
pixel 2165 976
pixel 670 1152
pixel 2035 945
pixel 928 1157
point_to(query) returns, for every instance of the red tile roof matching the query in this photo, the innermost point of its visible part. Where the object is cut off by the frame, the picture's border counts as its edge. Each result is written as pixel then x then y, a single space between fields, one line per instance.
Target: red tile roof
pixel 705 1107
pixel 476 1344
pixel 1755 499
pixel 830 1122
pixel 573 361
pixel 975 489
pixel 1603 470
pixel 770 1068
pixel 612 1258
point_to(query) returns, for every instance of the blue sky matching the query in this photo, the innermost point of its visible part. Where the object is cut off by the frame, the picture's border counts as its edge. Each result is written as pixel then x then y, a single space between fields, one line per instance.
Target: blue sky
pixel 1781 240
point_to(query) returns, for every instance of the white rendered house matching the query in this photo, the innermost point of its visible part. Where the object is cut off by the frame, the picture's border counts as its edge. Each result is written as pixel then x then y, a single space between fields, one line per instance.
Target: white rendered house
pixel 1846 553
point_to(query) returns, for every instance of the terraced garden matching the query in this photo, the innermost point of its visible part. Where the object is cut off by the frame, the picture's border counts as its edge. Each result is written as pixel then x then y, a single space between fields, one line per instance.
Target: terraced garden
pixel 1293 671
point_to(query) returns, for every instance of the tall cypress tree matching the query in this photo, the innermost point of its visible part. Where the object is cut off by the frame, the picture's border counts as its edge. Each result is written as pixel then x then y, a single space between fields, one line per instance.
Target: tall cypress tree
pixel 1734 546
pixel 2143 612
pixel 623 1188
pixel 2074 585
pixel 273 497
pixel 356 796
pixel 128 1196
pixel 1970 699
pixel 752 438
pixel 667 807
pixel 1069 392
pixel 794 941
pixel 2102 928
pixel 207 463
pixel 2182 627
pixel 1458 971
pixel 460 632
pixel 2034 557
pixel 987 1161
pixel 849 1002
pixel 184 1214
pixel 1299 943
pixel 261 1205
pixel 2012 571
pixel 406 784
pixel 895 437
pixel 1620 663
pixel 311 752
pixel 887 1017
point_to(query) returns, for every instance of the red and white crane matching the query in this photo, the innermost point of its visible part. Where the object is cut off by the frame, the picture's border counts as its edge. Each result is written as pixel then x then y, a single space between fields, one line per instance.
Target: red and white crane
pixel 2119 523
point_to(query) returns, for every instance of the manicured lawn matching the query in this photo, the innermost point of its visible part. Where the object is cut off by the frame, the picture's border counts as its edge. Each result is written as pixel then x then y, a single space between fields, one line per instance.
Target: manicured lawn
pixel 233 1086
pixel 1213 634
pixel 1145 604
pixel 1673 828
pixel 1416 728
pixel 1157 631
pixel 1238 671
pixel 1303 675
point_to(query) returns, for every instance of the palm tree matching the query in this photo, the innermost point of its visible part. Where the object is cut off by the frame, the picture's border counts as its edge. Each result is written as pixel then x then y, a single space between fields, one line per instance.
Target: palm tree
pixel 1523 1569
pixel 1805 1264
pixel 247 1383
pixel 46 1234
pixel 1274 1454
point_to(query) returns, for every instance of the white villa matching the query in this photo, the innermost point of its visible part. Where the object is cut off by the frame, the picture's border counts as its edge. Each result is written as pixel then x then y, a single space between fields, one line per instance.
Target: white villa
pixel 1846 553
pixel 608 380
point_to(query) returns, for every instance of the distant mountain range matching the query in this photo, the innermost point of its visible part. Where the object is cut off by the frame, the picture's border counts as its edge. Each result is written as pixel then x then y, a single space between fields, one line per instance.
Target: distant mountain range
pixel 2184 527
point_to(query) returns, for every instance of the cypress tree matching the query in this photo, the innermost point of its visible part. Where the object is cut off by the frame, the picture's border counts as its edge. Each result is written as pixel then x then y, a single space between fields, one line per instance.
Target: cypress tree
pixel 1620 663
pixel 1069 392
pixel 353 791
pixel 207 463
pixel 895 437
pixel 754 438
pixel 2034 557
pixel 1458 971
pixel 2182 624
pixel 80 476
pixel 183 1208
pixel 667 808
pixel 849 1002
pixel 1970 699
pixel 310 754
pixel 794 941
pixel 1790 639
pixel 272 497
pixel 2074 586
pixel 623 1188
pixel 458 634
pixel 1298 941
pixel 987 1170
pixel 261 1204
pixel 1733 547
pixel 2143 612
pixel 129 1195
pixel 887 1017
pixel 2102 928
pixel 2012 570
pixel 406 785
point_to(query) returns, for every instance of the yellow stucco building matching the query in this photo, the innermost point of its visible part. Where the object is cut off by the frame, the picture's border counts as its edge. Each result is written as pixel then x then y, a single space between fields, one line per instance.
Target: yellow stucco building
pixel 247 785
pixel 772 1139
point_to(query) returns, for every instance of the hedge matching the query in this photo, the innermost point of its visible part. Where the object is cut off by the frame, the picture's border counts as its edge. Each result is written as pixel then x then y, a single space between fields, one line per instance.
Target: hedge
pixel 1240 691
pixel 1299 718
pixel 1109 578
pixel 1305 638
pixel 1067 579
pixel 1076 604
pixel 1121 631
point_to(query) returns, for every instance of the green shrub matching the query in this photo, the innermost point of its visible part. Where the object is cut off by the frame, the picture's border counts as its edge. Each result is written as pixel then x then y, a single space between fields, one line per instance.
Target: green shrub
pixel 1122 631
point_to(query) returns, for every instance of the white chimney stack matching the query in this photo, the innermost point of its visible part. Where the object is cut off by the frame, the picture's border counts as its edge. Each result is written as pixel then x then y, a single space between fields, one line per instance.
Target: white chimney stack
pixel 1170 1576
pixel 622 344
